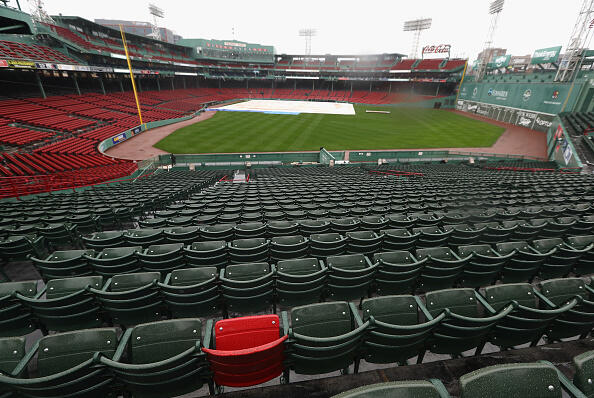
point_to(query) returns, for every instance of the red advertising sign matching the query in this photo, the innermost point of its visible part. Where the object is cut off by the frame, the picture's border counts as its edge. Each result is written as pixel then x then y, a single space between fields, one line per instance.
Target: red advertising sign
pixel 3 63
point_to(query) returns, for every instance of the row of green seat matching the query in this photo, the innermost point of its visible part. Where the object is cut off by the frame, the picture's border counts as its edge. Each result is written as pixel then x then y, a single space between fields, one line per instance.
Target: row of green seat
pixel 540 207
pixel 544 227
pixel 519 380
pixel 166 358
pixel 470 264
pixel 128 299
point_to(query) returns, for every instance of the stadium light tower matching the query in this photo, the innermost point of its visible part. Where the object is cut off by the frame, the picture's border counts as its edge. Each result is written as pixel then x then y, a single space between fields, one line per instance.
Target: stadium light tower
pixel 308 33
pixel 495 9
pixel 416 26
pixel 38 12
pixel 580 36
pixel 156 12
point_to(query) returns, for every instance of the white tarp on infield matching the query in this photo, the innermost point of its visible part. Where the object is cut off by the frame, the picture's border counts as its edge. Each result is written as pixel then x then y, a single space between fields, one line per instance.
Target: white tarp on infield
pixel 289 107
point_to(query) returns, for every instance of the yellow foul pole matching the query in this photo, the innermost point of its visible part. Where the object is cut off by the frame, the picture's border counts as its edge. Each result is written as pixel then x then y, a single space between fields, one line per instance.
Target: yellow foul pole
pixel 131 74
pixel 461 81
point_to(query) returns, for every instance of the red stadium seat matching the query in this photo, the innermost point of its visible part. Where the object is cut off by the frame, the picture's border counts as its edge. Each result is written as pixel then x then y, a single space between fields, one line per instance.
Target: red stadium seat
pixel 248 350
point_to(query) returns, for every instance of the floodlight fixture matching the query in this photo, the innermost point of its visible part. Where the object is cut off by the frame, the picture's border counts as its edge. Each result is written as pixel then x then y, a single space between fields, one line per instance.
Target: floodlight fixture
pixel 496 7
pixel 308 33
pixel 416 26
pixel 156 11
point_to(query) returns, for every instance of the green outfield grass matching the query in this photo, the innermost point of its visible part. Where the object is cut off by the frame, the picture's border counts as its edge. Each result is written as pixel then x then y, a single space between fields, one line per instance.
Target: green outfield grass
pixel 403 128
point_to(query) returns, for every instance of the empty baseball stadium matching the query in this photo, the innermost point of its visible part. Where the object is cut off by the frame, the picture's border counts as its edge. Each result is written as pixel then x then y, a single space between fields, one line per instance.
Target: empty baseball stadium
pixel 189 217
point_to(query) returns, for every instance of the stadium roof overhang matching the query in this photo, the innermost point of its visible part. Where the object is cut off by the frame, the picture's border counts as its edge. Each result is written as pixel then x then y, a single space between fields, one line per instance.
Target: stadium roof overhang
pixel 115 32
pixel 342 55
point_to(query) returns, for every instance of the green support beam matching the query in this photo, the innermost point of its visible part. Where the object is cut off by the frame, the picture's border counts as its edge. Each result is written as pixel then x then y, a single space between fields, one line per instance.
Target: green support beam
pixel 11 27
pixel 76 84
pixel 101 85
pixel 40 85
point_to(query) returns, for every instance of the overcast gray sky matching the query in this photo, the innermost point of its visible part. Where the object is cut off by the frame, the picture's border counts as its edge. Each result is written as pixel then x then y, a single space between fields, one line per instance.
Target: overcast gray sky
pixel 349 26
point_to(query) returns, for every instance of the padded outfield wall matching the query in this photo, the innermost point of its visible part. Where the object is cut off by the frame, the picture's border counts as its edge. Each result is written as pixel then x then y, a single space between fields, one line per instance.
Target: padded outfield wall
pixel 531 105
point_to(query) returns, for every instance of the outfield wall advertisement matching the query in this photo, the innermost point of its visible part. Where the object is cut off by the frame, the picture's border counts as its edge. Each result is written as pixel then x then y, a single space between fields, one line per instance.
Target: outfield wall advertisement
pixel 543 98
pixel 520 117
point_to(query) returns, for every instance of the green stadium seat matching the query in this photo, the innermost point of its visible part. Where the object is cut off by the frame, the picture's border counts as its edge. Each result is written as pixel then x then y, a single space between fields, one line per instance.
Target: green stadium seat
pixel 529 320
pixel 425 220
pixel 64 264
pixel 85 223
pixel 558 228
pixel 584 373
pixel 399 221
pixel 162 258
pixel 584 243
pixel 300 281
pixel 207 254
pixel 463 234
pixel 399 239
pixel 16 319
pixel 432 236
pixel 115 260
pixel 343 225
pixel 283 228
pixel 328 244
pixel 442 269
pixel 248 288
pixel 288 247
pixel 373 223
pixel 67 364
pixel 144 237
pixel 217 232
pixel 59 235
pixel 12 351
pixel 523 265
pixel 323 338
pixel 583 226
pixel 468 322
pixel 130 299
pixel 153 223
pixel 515 380
pixel 192 293
pixel 495 232
pixel 186 235
pixel 577 320
pixel 365 242
pixel 411 388
pixel 560 260
pixel 350 276
pixel 249 250
pixel 19 247
pixel 68 304
pixel 399 327
pixel 457 217
pixel 397 272
pixel 250 230
pixel 310 227
pixel 101 240
pixel 164 359
pixel 484 266
pixel 180 221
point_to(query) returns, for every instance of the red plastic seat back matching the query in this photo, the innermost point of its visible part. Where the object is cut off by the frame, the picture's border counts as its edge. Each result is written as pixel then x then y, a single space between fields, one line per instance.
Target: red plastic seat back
pixel 246 332
pixel 249 351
